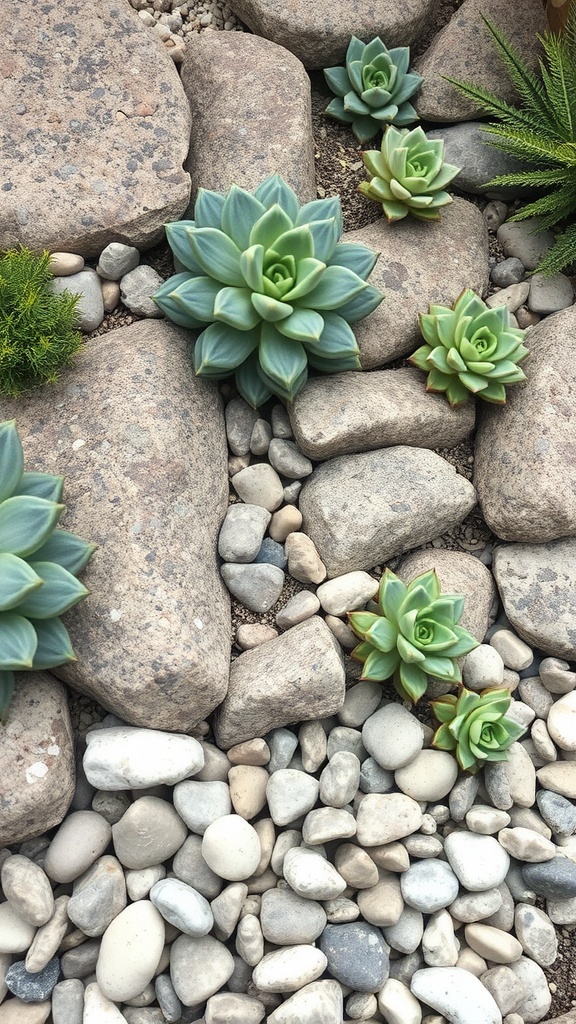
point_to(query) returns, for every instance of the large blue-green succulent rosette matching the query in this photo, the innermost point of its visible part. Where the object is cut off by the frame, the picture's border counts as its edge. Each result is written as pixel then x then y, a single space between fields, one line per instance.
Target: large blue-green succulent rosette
pixel 271 286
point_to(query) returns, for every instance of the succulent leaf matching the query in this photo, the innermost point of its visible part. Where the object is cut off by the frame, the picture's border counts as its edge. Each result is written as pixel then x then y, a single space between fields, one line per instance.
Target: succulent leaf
pixel 53 645
pixel 475 727
pixel 471 349
pixel 60 590
pixel 17 642
pixel 26 522
pixel 11 459
pixel 373 88
pixel 17 581
pixel 41 485
pixel 414 635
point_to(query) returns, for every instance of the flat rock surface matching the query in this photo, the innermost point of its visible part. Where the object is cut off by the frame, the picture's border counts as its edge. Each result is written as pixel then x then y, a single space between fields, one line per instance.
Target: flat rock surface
pixel 420 263
pixel 536 584
pixel 37 771
pixel 251 113
pixel 361 510
pixel 319 35
pixel 141 443
pixel 525 466
pixel 344 413
pixel 95 128
pixel 465 49
pixel 297 676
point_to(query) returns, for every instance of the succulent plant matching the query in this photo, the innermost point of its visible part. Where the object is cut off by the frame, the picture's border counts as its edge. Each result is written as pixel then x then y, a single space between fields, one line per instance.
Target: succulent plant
pixel 408 175
pixel 470 348
pixel 373 89
pixel 38 568
pixel 413 635
pixel 276 289
pixel 474 726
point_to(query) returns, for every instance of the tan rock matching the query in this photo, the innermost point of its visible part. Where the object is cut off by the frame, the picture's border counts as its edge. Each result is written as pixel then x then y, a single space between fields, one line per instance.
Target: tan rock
pixel 304 562
pixel 259 133
pixel 152 640
pixel 37 773
pixel 286 520
pixel 256 752
pixel 356 866
pixel 382 904
pixel 559 777
pixel 47 940
pixel 62 264
pixel 492 943
pixel 248 789
pixel 93 151
pixel 14 1011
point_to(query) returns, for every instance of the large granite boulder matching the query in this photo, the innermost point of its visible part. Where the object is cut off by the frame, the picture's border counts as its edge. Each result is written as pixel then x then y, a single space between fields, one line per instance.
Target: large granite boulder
pixel 37 771
pixel 465 49
pixel 525 466
pixel 419 264
pixel 361 510
pixel 319 34
pixel 141 443
pixel 95 128
pixel 251 114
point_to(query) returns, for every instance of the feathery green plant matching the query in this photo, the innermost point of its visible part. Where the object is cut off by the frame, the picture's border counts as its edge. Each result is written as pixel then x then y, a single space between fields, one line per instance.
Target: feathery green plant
pixel 38 333
pixel 541 132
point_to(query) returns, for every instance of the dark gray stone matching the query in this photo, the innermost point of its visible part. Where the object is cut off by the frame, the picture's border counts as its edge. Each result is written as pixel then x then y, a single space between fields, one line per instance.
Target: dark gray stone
pixel 32 988
pixel 167 999
pixel 558 812
pixel 272 553
pixel 509 271
pixel 81 961
pixel 555 879
pixel 468 147
pixel 357 955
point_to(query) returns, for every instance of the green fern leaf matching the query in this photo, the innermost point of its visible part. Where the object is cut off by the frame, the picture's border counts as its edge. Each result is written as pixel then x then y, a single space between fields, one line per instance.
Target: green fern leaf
pixel 562 254
pixel 528 86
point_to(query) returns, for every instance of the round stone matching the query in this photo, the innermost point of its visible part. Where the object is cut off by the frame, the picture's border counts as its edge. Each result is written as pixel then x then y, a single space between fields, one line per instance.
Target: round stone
pixel 555 879
pixel 493 944
pixel 346 593
pixel 311 876
pixel 182 906
pixel 429 885
pixel 99 896
pixel 478 861
pixel 130 951
pixel 27 888
pixel 483 667
pixel 80 840
pixel 199 967
pixel 290 793
pixel 287 970
pixel 429 777
pixel 392 736
pixel 201 803
pixel 456 994
pixel 561 721
pixel 259 485
pixel 385 817
pixel 149 833
pixel 357 955
pixel 288 919
pixel 231 847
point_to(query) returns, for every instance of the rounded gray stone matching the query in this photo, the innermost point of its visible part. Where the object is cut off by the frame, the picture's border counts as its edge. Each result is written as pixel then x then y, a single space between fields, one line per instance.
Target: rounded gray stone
pixel 148 833
pixel 555 879
pixel 429 885
pixel 137 288
pixel 182 906
pixel 200 803
pixel 98 897
pixel 289 919
pixel 242 532
pixel 357 955
pixel 68 1002
pixel 256 586
pixel 90 306
pixel 240 421
pixel 117 259
pixel 287 459
pixel 392 736
pixel 32 988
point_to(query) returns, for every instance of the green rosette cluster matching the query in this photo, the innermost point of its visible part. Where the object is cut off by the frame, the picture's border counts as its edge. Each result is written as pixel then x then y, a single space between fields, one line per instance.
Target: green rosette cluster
pixel 38 568
pixel 275 287
pixel 470 349
pixel 474 727
pixel 413 635
pixel 408 175
pixel 373 89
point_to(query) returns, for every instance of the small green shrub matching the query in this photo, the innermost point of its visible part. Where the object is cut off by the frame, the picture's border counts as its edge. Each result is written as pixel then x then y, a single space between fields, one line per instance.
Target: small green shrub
pixel 37 327
pixel 38 568
pixel 413 635
pixel 541 132
pixel 470 349
pixel 474 727
pixel 373 89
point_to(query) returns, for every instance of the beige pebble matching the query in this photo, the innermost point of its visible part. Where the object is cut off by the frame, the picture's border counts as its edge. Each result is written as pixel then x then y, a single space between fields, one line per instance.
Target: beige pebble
pixel 110 295
pixel 313 744
pixel 304 562
pixel 382 904
pixel 344 635
pixel 62 264
pixel 130 951
pixel 286 520
pixel 266 832
pixel 80 840
pixel 46 942
pixel 236 463
pixel 16 934
pixel 249 940
pixel 248 789
pixel 493 943
pixel 469 960
pixel 356 866
pixel 14 1011
pixel 27 888
pixel 252 752
pixel 526 845
pixel 391 857
pixel 252 634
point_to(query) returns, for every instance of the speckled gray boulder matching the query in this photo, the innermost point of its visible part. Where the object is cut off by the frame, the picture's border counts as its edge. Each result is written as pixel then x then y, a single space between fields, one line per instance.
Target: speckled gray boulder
pixel 243 141
pixel 37 773
pixel 91 151
pixel 536 428
pixel 465 49
pixel 141 442
pixel 536 584
pixel 419 264
pixel 467 147
pixel 360 510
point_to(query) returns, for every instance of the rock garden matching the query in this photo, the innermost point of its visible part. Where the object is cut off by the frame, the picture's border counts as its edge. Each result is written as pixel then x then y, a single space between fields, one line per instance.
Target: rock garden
pixel 302 747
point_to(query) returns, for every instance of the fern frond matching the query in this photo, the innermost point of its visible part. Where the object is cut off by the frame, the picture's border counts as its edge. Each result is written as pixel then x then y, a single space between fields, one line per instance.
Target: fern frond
pixel 528 145
pixel 552 208
pixel 532 178
pixel 527 84
pixel 561 255
pixel 490 103
pixel 559 78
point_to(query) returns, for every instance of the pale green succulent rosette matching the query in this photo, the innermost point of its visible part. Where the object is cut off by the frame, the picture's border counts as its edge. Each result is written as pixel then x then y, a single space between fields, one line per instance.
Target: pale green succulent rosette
pixel 408 175
pixel 413 636
pixel 474 727
pixel 38 568
pixel 373 89
pixel 471 349
pixel 275 287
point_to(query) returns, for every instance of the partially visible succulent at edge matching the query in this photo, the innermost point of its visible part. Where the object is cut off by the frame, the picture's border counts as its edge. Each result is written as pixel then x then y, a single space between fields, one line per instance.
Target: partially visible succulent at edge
pixel 408 175
pixel 38 568
pixel 474 727
pixel 414 635
pixel 470 348
pixel 373 89
pixel 276 289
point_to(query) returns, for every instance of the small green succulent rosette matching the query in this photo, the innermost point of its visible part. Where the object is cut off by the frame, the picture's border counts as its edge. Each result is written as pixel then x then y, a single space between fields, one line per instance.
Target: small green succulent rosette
pixel 470 349
pixel 414 635
pixel 474 727
pixel 272 287
pixel 373 89
pixel 408 175
pixel 38 568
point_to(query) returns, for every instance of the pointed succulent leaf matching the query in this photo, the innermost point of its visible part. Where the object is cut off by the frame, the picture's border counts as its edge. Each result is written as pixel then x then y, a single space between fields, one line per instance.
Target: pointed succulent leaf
pixel 42 485
pixel 336 110
pixel 297 242
pixel 361 622
pixel 67 550
pixel 240 212
pixel 351 362
pixel 268 309
pixel 382 634
pixel 220 349
pixel 249 382
pixel 338 80
pixel 321 209
pixel 391 595
pixel 413 680
pixel 165 302
pixel 17 580
pixel 309 273
pixel 365 128
pixel 357 258
pixel 274 190
pixel 444 707
pixel 60 590
pixel 234 306
pixel 26 522
pixel 337 340
pixel 11 459
pixel 336 286
pixel 355 50
pixel 196 297
pixel 270 226
pixel 380 665
pixel 361 305
pixel 441 668
pixel 443 739
pixel 303 325
pixel 355 105
pixel 7 688
pixel 407 651
pixel 17 642
pixel 53 645
pixel 178 236
pixel 208 209
pixel 217 254
pixel 282 359
pixel 325 234
pixel 252 267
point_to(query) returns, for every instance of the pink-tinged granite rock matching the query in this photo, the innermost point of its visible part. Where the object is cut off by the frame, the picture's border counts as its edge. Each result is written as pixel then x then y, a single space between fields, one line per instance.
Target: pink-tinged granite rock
pixel 95 128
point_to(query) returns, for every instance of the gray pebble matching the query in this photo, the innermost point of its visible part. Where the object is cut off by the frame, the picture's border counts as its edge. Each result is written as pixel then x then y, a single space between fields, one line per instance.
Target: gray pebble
pixel 344 738
pixel 81 961
pixel 558 812
pixel 260 437
pixel 240 420
pixel 288 460
pixel 242 532
pixel 32 988
pixel 90 306
pixel 272 553
pixel 282 743
pixel 189 866
pixel 116 260
pixel 495 214
pixel 201 803
pixel 110 805
pixel 509 271
pixel 556 675
pixel 357 955
pixel 340 779
pixel 289 919
pixel 182 906
pixel 548 294
pixel 257 587
pixel 429 885
pixel 167 999
pixel 523 240
pixel 281 422
pixel 68 1002
pixel 462 796
pixel 300 607
pixel 99 896
pixel 497 785
pixel 374 779
pixel 536 696
pixel 291 492
pixel 136 289
pixel 555 879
